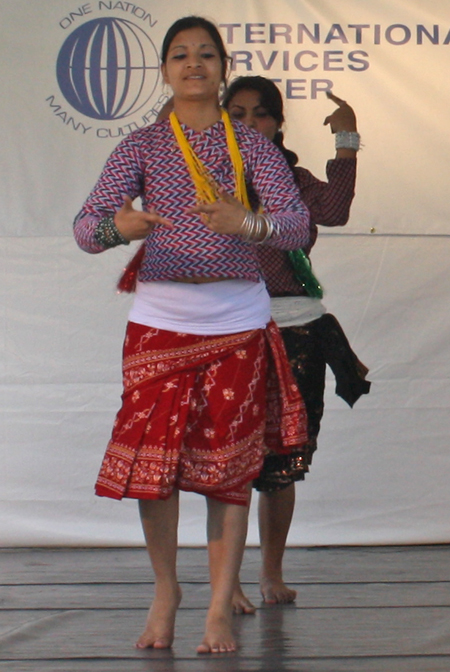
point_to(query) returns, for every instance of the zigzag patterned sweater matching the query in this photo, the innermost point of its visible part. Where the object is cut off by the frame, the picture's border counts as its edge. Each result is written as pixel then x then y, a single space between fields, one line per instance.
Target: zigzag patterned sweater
pixel 148 163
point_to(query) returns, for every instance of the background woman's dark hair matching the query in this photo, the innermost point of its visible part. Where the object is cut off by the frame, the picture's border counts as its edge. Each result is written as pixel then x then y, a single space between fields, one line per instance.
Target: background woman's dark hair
pixel 188 22
pixel 270 99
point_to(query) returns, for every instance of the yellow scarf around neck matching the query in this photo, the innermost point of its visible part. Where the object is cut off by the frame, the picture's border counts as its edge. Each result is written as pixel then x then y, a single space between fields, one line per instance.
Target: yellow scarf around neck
pixel 205 185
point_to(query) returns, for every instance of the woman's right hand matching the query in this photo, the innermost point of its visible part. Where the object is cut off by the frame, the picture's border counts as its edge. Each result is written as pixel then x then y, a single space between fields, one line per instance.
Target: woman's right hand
pixel 137 224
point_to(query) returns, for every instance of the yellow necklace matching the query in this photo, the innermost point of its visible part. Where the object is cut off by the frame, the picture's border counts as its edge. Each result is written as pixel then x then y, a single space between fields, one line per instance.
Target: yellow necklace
pixel 206 187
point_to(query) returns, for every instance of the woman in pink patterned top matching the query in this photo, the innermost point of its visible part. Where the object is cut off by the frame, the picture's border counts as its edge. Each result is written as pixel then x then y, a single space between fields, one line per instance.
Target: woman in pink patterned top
pixel 311 336
pixel 195 356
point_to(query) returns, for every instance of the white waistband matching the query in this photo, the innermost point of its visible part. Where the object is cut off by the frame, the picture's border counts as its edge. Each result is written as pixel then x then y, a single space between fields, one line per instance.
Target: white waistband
pixel 291 311
pixel 225 307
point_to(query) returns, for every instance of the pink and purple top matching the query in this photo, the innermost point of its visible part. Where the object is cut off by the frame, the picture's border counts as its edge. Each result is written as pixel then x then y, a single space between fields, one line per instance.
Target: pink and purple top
pixel 148 163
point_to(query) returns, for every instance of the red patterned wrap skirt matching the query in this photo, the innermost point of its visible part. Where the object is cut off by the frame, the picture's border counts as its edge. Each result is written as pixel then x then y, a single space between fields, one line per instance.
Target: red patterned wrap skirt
pixel 199 413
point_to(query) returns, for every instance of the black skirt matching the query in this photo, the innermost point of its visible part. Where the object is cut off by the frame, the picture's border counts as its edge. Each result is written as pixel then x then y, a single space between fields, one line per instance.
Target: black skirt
pixel 309 348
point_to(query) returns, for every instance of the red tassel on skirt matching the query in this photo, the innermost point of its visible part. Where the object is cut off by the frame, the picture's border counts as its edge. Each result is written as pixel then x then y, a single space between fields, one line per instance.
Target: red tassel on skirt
pixel 128 279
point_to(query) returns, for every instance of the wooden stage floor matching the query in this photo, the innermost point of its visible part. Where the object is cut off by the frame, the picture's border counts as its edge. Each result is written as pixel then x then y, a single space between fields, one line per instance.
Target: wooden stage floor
pixel 363 609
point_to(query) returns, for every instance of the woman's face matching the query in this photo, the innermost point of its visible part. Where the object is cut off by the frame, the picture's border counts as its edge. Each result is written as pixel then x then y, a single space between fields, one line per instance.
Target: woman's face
pixel 193 67
pixel 246 107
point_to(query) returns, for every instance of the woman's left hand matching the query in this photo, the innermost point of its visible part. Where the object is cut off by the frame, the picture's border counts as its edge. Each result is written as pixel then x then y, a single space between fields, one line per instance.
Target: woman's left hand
pixel 342 119
pixel 224 215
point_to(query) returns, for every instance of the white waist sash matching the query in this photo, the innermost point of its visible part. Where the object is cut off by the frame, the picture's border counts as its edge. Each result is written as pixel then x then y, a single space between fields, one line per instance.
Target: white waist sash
pixel 224 307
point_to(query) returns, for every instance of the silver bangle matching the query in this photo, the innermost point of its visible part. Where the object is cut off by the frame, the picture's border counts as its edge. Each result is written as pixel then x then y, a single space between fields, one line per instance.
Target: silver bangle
pixel 254 226
pixel 348 140
pixel 247 225
pixel 269 229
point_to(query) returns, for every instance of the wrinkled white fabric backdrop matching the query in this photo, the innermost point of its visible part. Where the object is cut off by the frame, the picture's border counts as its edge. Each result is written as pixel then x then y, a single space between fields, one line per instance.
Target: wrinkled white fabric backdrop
pixel 382 470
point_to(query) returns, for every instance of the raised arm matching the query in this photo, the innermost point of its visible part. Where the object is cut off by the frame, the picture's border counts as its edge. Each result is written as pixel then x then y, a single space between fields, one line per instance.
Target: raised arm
pixel 329 201
pixel 343 121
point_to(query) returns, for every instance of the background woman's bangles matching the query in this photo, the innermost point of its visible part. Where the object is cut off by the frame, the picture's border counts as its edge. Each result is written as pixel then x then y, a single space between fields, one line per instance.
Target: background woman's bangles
pixel 348 140
pixel 256 228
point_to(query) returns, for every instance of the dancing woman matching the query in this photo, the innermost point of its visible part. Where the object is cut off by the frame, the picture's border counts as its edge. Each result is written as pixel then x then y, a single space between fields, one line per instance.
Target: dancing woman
pixel 199 337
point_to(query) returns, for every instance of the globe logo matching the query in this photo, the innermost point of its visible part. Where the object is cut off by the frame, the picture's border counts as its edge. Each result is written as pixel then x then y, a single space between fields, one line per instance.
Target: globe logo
pixel 108 68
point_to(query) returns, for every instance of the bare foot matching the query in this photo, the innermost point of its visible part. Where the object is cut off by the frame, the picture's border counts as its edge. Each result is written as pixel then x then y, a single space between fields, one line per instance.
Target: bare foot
pixel 241 603
pixel 218 635
pixel 160 625
pixel 275 591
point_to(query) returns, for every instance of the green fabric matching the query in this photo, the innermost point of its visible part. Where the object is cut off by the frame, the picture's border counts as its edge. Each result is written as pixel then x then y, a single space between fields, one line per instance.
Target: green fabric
pixel 304 275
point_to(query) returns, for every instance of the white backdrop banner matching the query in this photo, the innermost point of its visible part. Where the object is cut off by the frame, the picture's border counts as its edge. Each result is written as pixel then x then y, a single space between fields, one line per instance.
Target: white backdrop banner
pixel 76 78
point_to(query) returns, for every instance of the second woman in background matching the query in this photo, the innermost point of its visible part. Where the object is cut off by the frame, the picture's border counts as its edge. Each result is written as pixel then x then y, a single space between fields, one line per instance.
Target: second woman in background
pixel 311 336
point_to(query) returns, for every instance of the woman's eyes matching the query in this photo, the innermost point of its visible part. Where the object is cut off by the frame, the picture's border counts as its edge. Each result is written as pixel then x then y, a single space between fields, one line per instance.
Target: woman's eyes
pixel 241 114
pixel 207 55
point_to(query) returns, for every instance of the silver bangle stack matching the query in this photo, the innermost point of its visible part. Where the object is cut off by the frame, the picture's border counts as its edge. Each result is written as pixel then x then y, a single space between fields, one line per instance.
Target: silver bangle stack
pixel 348 140
pixel 107 234
pixel 256 225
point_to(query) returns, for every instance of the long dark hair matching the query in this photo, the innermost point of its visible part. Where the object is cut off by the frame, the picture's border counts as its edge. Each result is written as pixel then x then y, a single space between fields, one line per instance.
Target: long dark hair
pixel 189 22
pixel 270 99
